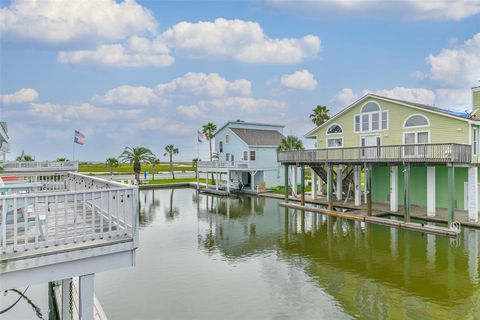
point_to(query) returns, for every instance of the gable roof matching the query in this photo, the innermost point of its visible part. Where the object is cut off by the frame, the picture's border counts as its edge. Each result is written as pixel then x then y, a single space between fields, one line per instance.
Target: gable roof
pixel 243 123
pixel 257 137
pixel 448 113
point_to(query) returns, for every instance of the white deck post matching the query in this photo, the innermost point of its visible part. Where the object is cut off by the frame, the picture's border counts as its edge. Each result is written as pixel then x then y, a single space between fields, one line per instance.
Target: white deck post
pixel 431 203
pixel 216 181
pixel 320 185
pixel 66 299
pixel 294 180
pixel 394 188
pixel 206 181
pixel 228 180
pixel 356 179
pixel 198 178
pixel 86 293
pixel 472 193
pixel 339 181
pixel 314 184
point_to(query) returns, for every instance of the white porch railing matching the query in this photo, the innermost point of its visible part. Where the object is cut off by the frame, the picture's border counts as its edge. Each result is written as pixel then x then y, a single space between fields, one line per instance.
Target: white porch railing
pixel 36 166
pixel 223 164
pixel 70 209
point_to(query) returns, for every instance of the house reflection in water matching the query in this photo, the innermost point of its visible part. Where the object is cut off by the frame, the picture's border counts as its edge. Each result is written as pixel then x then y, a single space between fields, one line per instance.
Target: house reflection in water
pixel 371 271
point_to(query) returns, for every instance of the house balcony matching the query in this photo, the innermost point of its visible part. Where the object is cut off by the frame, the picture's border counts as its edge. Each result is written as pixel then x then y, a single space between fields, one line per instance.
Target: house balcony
pixel 440 153
pixel 39 166
pixel 215 166
pixel 59 225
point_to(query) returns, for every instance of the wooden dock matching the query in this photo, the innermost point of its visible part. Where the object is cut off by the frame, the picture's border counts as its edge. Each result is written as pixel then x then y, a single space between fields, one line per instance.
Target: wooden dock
pixel 358 216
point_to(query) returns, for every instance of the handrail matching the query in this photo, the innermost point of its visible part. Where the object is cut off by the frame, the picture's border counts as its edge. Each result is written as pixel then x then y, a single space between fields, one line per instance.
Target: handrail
pixel 428 152
pixel 40 165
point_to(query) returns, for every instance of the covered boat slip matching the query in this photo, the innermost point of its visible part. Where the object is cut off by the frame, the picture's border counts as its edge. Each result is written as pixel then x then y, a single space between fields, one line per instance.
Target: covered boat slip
pixel 432 176
pixel 71 226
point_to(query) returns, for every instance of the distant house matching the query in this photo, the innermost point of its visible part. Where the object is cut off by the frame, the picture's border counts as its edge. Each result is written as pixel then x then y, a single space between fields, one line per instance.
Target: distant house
pixel 414 154
pixel 247 156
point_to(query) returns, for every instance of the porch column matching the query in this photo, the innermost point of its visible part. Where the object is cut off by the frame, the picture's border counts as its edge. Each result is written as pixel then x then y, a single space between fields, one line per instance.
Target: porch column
pixel 394 188
pixel 431 203
pixel 294 180
pixel 330 186
pixel 451 194
pixel 314 184
pixel 339 181
pixel 66 315
pixel 356 181
pixel 228 181
pixel 473 194
pixel 368 184
pixel 252 184
pixel 406 192
pixel 286 182
pixel 302 184
pixel 86 291
pixel 320 185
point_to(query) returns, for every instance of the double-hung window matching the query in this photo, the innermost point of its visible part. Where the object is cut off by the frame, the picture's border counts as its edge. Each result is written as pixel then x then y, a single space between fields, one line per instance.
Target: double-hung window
pixel 334 136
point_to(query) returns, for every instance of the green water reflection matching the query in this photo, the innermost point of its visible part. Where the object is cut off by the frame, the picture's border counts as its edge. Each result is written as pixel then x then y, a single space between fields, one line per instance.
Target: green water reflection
pixel 209 257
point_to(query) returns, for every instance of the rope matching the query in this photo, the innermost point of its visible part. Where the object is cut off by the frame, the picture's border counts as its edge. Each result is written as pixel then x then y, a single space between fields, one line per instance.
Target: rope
pixel 30 302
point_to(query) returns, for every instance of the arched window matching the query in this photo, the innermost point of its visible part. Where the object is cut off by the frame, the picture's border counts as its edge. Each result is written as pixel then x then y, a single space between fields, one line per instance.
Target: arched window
pixel 334 128
pixel 416 120
pixel 370 107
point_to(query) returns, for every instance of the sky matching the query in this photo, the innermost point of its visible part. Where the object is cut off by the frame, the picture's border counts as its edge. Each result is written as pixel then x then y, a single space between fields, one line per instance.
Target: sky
pixel 151 73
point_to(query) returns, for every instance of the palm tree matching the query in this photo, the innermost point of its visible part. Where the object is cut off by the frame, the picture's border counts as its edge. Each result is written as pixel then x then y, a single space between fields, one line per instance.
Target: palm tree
pixel 135 156
pixel 291 143
pixel 24 157
pixel 208 131
pixel 112 163
pixel 194 165
pixel 319 115
pixel 154 161
pixel 171 150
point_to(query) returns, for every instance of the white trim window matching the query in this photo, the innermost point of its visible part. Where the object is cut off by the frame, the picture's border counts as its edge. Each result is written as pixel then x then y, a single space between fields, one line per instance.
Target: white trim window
pixel 334 136
pixel 419 140
pixel 416 121
pixel 371 118
pixel 335 142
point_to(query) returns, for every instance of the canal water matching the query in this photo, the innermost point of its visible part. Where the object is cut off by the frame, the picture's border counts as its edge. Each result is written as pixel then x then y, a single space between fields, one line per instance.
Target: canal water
pixel 209 257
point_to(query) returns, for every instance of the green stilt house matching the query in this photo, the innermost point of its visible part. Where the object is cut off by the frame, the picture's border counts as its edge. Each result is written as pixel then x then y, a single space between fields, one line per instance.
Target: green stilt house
pixel 409 154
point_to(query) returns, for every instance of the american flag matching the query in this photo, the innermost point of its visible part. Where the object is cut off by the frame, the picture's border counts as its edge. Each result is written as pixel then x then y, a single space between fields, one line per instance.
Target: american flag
pixel 78 134
pixel 77 141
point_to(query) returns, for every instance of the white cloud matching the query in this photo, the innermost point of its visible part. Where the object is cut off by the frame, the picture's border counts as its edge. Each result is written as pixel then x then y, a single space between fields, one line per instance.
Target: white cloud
pixel 458 67
pixel 166 125
pixel 241 105
pixel 58 112
pixel 458 99
pixel 24 95
pixel 136 52
pixel 211 85
pixel 419 95
pixel 66 21
pixel 191 111
pixel 128 95
pixel 244 41
pixel 399 9
pixel 302 80
pixel 344 97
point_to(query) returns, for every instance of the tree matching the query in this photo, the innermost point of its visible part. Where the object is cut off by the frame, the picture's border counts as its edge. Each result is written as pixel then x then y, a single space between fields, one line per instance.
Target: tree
pixel 62 159
pixel 194 165
pixel 25 157
pixel 171 150
pixel 154 161
pixel 112 163
pixel 319 115
pixel 208 131
pixel 291 143
pixel 135 156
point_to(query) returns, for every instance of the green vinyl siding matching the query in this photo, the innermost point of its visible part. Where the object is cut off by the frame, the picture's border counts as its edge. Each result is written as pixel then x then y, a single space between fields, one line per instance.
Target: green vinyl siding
pixel 442 129
pixel 418 185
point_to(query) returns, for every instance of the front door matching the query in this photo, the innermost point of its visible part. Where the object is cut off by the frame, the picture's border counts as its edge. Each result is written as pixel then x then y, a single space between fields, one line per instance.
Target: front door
pixel 372 145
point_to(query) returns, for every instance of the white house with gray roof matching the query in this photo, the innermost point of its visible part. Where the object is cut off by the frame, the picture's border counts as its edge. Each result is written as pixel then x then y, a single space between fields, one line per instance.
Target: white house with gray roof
pixel 247 156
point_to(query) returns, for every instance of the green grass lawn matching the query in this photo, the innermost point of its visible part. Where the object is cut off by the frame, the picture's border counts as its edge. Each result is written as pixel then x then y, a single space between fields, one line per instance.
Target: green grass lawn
pixel 127 168
pixel 281 190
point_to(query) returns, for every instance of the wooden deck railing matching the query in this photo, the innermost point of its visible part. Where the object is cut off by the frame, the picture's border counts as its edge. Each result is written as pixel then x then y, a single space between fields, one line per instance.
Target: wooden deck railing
pixel 223 164
pixel 36 166
pixel 415 153
pixel 70 208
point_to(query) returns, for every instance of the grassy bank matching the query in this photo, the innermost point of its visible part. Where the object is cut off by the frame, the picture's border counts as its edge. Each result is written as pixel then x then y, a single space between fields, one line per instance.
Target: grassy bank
pixel 281 190
pixel 127 168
